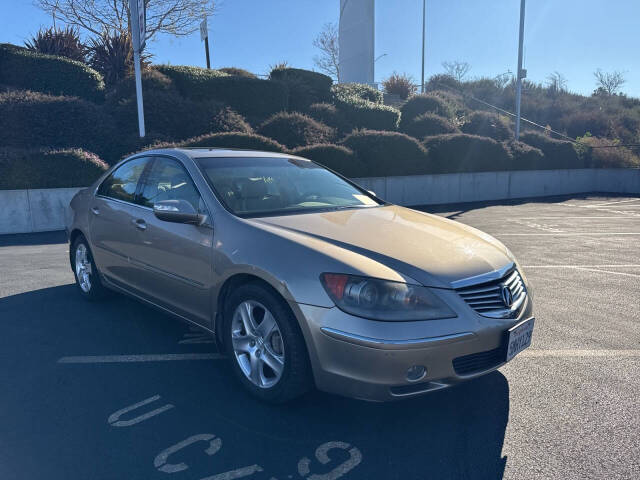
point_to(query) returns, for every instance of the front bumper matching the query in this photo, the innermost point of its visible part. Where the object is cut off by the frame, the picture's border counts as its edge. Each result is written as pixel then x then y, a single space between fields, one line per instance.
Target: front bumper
pixel 369 360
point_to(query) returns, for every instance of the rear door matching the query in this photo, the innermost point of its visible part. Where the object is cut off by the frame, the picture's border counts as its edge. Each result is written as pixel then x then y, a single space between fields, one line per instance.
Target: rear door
pixel 173 260
pixel 111 228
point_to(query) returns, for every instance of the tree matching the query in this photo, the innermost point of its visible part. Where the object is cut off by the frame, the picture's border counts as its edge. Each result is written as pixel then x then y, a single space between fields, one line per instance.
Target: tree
pixel 609 82
pixel 556 83
pixel 457 69
pixel 175 17
pixel 328 61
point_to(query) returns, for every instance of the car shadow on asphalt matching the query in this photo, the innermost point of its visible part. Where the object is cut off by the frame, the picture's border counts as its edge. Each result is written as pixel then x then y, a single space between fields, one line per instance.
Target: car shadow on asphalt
pixel 453 433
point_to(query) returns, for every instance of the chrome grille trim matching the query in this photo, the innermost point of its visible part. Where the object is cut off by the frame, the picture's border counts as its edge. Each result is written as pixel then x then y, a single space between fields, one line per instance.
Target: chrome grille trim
pixel 483 293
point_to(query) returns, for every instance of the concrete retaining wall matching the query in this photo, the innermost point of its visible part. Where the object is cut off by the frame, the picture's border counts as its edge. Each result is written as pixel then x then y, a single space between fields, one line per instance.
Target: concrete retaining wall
pixel 24 211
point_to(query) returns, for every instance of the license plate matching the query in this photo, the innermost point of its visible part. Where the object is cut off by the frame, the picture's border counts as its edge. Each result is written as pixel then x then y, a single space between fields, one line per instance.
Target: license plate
pixel 519 338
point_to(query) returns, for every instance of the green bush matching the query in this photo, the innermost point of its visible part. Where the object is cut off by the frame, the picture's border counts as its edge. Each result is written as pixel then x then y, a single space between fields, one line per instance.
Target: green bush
pixel 227 120
pixel 245 141
pixel 576 124
pixel 525 157
pixel 32 118
pixel 387 153
pixel 49 74
pixel 152 80
pixel 329 115
pixel 401 85
pixel 47 168
pixel 420 104
pixel 459 152
pixel 295 130
pixel 487 124
pixel 249 96
pixel 305 87
pixel 360 90
pixel 608 157
pixel 237 72
pixel 557 153
pixel 365 114
pixel 336 157
pixel 429 124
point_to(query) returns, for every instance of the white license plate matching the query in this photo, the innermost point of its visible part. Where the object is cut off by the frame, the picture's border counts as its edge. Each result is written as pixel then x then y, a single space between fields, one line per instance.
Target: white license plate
pixel 519 338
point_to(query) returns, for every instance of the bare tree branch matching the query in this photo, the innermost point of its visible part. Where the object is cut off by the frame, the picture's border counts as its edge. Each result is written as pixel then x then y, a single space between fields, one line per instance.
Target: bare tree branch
pixel 609 82
pixel 174 17
pixel 328 61
pixel 457 69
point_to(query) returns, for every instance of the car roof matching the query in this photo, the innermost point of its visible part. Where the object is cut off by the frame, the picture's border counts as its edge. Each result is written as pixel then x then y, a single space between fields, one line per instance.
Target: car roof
pixel 206 152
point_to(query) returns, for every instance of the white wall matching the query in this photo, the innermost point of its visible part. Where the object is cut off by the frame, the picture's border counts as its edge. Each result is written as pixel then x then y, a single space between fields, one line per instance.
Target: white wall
pixel 357 41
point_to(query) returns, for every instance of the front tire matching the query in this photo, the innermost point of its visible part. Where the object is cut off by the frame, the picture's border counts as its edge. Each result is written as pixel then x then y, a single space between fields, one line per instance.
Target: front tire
pixel 267 351
pixel 85 271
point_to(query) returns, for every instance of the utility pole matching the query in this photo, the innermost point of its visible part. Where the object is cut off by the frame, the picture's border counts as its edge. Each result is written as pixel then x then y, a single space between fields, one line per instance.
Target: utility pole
pixel 521 73
pixel 424 26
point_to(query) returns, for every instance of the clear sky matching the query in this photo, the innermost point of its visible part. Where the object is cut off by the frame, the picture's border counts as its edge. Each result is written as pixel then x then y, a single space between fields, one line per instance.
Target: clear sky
pixel 574 37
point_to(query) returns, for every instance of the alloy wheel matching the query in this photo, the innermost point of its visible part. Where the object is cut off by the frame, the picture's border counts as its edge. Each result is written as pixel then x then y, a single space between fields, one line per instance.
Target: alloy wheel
pixel 83 268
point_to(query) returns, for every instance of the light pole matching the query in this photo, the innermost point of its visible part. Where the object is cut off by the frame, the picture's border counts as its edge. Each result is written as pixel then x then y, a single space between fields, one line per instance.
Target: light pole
pixel 424 16
pixel 521 72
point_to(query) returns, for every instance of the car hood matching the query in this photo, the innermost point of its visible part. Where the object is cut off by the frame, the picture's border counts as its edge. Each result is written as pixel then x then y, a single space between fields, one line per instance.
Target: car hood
pixel 432 250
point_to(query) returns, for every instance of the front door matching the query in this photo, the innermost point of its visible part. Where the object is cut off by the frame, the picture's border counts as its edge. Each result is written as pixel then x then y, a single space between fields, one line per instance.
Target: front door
pixel 173 260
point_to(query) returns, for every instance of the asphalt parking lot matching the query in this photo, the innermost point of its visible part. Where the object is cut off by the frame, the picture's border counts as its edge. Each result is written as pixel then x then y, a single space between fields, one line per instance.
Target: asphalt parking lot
pixel 118 390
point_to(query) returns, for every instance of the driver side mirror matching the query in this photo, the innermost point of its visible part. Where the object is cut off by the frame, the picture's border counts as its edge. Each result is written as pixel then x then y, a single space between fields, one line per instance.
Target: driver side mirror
pixel 177 211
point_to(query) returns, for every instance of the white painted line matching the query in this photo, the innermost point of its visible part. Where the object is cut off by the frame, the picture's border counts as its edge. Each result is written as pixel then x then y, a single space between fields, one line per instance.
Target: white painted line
pixel 609 272
pixel 580 217
pixel 572 234
pixel 580 353
pixel 630 265
pixel 165 357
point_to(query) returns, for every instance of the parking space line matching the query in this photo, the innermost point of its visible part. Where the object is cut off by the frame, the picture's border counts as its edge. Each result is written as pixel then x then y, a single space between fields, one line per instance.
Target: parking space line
pixel 579 217
pixel 571 234
pixel 625 265
pixel 165 357
pixel 580 353
pixel 624 274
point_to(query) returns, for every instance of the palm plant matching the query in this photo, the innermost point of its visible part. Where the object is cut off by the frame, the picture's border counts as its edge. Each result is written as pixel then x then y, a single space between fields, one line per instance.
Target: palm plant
pixel 62 42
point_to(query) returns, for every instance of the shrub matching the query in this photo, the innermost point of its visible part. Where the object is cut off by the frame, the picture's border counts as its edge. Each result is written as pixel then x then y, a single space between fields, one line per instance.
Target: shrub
pixel 47 168
pixel 31 118
pixel 525 157
pixel 607 157
pixel 429 124
pixel 111 54
pixel 246 141
pixel 248 96
pixel 305 87
pixel 387 153
pixel 48 74
pixel 365 114
pixel 578 123
pixel 442 81
pixel 401 85
pixel 420 104
pixel 56 41
pixel 557 153
pixel 329 115
pixel 295 130
pixel 227 120
pixel 487 124
pixel 360 90
pixel 336 157
pixel 152 80
pixel 459 152
pixel 237 72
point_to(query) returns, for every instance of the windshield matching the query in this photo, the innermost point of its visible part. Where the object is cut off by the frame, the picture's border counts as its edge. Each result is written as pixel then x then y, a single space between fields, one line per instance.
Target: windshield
pixel 275 186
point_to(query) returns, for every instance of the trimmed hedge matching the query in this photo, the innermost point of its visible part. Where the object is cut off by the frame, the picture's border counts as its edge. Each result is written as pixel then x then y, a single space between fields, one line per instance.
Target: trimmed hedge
pixel 247 141
pixel 237 72
pixel 459 152
pixel 295 130
pixel 365 114
pixel 557 153
pixel 32 118
pixel 487 124
pixel 227 120
pixel 360 90
pixel 426 103
pixel 47 168
pixel 50 74
pixel 249 96
pixel 429 124
pixel 336 157
pixel 388 153
pixel 305 87
pixel 525 157
pixel 329 115
pixel 152 80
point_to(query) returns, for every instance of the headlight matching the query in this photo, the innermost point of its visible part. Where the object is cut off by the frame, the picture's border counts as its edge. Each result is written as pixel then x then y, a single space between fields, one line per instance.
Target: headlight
pixel 383 300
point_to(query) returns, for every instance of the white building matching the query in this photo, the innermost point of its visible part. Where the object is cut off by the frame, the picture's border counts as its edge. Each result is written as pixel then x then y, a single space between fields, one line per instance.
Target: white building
pixel 357 41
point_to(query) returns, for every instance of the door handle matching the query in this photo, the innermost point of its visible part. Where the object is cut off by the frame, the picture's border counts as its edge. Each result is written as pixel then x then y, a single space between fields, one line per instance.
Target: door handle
pixel 140 224
pixel 95 210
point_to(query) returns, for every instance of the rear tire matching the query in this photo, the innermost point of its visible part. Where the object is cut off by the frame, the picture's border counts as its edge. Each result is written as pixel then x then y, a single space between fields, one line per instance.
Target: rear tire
pixel 265 345
pixel 85 271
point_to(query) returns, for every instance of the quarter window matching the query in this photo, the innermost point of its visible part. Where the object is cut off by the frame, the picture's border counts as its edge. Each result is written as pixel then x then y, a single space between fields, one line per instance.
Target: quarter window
pixel 123 181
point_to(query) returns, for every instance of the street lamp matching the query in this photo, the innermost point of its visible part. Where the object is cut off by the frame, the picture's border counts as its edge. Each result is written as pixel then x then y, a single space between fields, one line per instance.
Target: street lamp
pixel 521 73
pixel 424 16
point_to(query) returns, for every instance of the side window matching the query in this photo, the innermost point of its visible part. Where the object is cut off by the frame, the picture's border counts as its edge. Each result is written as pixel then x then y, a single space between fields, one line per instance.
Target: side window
pixel 122 182
pixel 168 180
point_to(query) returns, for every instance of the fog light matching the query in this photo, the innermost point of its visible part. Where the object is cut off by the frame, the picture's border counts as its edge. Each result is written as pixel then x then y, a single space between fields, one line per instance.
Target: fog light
pixel 416 372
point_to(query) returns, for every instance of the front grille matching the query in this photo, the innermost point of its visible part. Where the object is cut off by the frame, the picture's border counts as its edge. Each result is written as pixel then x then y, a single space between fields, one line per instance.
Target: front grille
pixel 479 362
pixel 486 296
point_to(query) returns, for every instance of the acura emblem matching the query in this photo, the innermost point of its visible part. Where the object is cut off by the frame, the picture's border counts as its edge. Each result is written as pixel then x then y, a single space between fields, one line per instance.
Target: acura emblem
pixel 507 296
